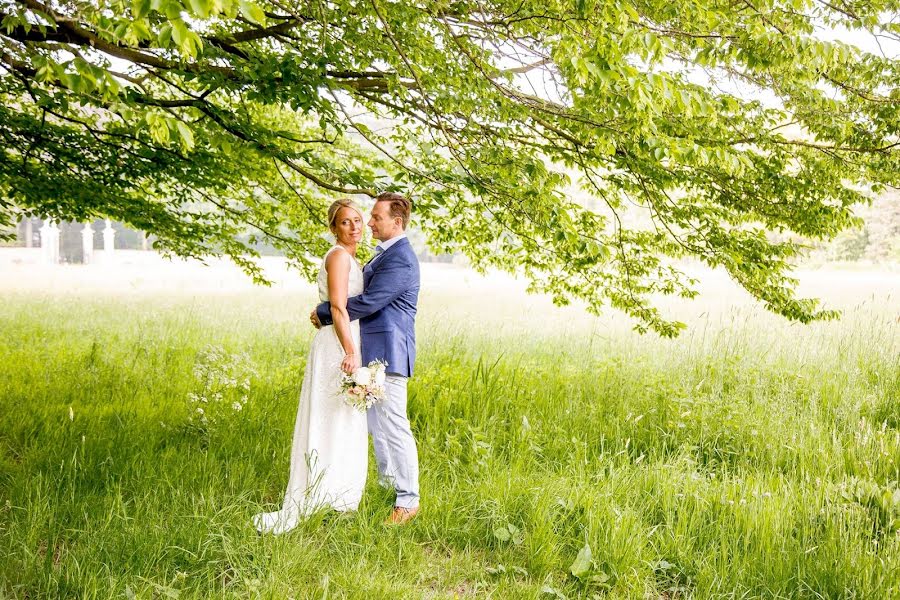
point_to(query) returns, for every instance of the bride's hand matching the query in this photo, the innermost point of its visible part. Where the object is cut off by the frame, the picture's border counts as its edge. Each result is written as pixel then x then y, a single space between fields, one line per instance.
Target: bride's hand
pixel 350 363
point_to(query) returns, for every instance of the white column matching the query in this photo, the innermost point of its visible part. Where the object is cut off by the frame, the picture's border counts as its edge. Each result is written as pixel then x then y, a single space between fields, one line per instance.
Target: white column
pixel 29 233
pixel 50 242
pixel 109 238
pixel 87 243
pixel 55 245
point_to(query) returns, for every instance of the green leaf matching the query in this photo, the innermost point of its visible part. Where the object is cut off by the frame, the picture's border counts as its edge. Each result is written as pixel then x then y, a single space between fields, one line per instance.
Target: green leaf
pixel 140 8
pixel 252 12
pixel 173 9
pixel 164 37
pixel 179 32
pixel 548 590
pixel 581 568
pixel 502 534
pixel 515 534
pixel 187 136
pixel 663 565
pixel 140 30
pixel 201 8
pixel 159 128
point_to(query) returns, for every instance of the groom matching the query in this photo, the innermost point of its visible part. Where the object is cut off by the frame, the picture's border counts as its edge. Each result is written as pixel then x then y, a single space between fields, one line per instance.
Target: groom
pixel 387 313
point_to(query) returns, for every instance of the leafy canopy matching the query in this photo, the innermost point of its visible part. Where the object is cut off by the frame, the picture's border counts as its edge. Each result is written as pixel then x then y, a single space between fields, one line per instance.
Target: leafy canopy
pixel 529 133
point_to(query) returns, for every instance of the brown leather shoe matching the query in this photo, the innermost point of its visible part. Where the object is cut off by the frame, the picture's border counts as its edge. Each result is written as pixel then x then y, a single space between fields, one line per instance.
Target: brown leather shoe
pixel 400 515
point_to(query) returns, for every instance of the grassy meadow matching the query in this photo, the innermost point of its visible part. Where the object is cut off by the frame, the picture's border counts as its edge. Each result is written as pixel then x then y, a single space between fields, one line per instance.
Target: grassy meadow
pixel 562 456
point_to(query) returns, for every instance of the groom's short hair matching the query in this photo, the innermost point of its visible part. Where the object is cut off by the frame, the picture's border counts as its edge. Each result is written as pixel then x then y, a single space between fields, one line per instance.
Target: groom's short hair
pixel 400 206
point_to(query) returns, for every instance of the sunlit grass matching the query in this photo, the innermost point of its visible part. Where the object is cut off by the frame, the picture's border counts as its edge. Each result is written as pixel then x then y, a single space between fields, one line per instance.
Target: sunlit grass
pixel 749 458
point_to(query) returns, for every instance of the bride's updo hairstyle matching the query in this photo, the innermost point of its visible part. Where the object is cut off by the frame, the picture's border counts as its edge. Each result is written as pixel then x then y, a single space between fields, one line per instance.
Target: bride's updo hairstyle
pixel 336 206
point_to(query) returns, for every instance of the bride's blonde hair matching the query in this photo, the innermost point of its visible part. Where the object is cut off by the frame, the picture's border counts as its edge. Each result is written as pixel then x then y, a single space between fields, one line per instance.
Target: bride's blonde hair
pixel 338 205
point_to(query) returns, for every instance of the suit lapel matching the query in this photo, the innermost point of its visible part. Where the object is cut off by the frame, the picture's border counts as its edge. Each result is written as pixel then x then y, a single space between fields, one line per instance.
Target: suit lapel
pixel 379 257
pixel 369 267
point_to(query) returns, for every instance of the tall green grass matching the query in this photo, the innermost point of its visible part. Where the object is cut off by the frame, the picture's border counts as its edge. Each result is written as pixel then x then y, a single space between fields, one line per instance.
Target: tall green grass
pixel 748 459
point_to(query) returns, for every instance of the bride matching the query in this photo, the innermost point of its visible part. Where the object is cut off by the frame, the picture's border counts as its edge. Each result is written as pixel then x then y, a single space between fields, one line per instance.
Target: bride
pixel 330 450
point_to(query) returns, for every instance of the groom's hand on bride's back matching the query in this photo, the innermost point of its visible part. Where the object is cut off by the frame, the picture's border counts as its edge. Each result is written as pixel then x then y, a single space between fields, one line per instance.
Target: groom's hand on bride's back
pixel 314 319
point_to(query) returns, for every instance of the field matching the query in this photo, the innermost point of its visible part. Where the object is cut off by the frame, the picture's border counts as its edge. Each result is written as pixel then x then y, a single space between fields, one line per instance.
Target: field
pixel 562 455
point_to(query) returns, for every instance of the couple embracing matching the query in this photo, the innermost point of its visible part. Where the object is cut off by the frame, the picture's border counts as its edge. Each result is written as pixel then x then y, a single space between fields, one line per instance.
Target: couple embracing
pixel 366 314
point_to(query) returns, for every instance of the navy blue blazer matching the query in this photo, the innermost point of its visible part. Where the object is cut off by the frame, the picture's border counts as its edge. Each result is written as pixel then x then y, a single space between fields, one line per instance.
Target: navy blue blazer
pixel 386 309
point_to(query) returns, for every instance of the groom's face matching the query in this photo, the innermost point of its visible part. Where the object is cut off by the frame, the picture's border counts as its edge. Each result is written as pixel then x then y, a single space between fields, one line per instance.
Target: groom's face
pixel 382 224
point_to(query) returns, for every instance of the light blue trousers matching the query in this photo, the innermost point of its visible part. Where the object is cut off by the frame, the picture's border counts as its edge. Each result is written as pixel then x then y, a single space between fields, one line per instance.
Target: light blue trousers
pixel 395 447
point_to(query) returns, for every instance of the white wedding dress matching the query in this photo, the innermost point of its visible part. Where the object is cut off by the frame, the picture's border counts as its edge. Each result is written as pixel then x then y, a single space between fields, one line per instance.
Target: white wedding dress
pixel 329 457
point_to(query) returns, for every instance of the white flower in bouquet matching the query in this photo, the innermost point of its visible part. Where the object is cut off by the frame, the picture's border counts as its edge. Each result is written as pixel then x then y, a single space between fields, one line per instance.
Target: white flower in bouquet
pixel 365 387
pixel 362 376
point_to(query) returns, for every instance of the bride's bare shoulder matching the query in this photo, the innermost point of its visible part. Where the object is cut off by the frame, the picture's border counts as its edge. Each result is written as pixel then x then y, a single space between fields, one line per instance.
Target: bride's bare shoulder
pixel 337 257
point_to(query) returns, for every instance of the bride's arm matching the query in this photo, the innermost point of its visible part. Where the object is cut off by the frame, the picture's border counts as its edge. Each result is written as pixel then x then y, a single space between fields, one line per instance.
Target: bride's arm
pixel 337 266
pixel 392 281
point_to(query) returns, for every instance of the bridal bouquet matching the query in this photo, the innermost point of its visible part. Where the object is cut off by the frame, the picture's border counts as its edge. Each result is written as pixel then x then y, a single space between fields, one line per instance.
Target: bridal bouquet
pixel 365 387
